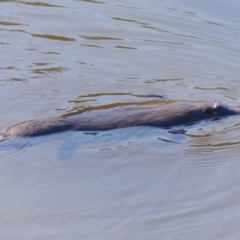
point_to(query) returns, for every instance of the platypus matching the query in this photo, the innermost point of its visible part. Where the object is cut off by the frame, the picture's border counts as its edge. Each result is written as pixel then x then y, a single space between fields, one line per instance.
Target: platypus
pixel 163 114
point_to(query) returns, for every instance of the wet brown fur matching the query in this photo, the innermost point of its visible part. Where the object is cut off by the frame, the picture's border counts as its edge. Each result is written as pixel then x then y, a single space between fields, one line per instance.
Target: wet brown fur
pixel 153 113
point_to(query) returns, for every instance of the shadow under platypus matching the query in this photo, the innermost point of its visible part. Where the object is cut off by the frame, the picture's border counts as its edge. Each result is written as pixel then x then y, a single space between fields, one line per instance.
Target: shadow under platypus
pixel 162 114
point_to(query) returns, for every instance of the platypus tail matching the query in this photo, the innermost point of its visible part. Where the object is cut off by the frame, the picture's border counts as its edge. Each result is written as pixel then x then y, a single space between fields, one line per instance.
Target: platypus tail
pixel 3 137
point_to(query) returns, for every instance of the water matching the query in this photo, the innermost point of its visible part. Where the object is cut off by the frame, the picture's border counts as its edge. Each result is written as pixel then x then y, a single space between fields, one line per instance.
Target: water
pixel 60 57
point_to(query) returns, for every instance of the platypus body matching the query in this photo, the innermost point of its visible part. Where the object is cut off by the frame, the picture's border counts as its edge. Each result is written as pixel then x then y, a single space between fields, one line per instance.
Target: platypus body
pixel 164 114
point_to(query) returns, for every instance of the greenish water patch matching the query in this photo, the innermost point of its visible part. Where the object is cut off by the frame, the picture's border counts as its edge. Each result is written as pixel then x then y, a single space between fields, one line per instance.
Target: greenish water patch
pixel 49 70
pixel 91 45
pixel 40 4
pixel 100 38
pixel 53 37
pixel 10 23
pixel 92 1
pixel 125 47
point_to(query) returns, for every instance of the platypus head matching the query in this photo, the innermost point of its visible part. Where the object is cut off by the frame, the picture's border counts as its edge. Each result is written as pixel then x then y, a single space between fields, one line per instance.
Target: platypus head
pixel 221 110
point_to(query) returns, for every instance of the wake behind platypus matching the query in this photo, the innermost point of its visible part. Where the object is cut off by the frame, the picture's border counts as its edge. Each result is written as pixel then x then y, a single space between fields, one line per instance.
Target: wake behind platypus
pixel 162 114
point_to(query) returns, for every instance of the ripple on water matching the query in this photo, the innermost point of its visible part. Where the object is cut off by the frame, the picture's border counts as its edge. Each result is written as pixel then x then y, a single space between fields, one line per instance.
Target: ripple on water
pixel 216 148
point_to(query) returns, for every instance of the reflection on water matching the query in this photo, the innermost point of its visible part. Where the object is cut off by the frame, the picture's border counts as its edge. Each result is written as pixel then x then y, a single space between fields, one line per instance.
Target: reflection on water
pixel 59 57
pixel 53 37
pixel 119 137
pixel 41 4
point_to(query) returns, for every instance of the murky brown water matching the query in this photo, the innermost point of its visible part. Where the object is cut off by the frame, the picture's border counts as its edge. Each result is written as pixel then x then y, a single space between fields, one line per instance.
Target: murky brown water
pixel 57 57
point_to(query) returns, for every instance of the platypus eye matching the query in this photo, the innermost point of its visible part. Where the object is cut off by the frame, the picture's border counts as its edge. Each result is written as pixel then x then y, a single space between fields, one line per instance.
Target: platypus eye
pixel 215 107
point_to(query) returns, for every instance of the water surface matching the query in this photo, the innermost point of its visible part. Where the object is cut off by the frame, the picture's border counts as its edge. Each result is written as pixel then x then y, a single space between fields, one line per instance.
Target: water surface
pixel 60 57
